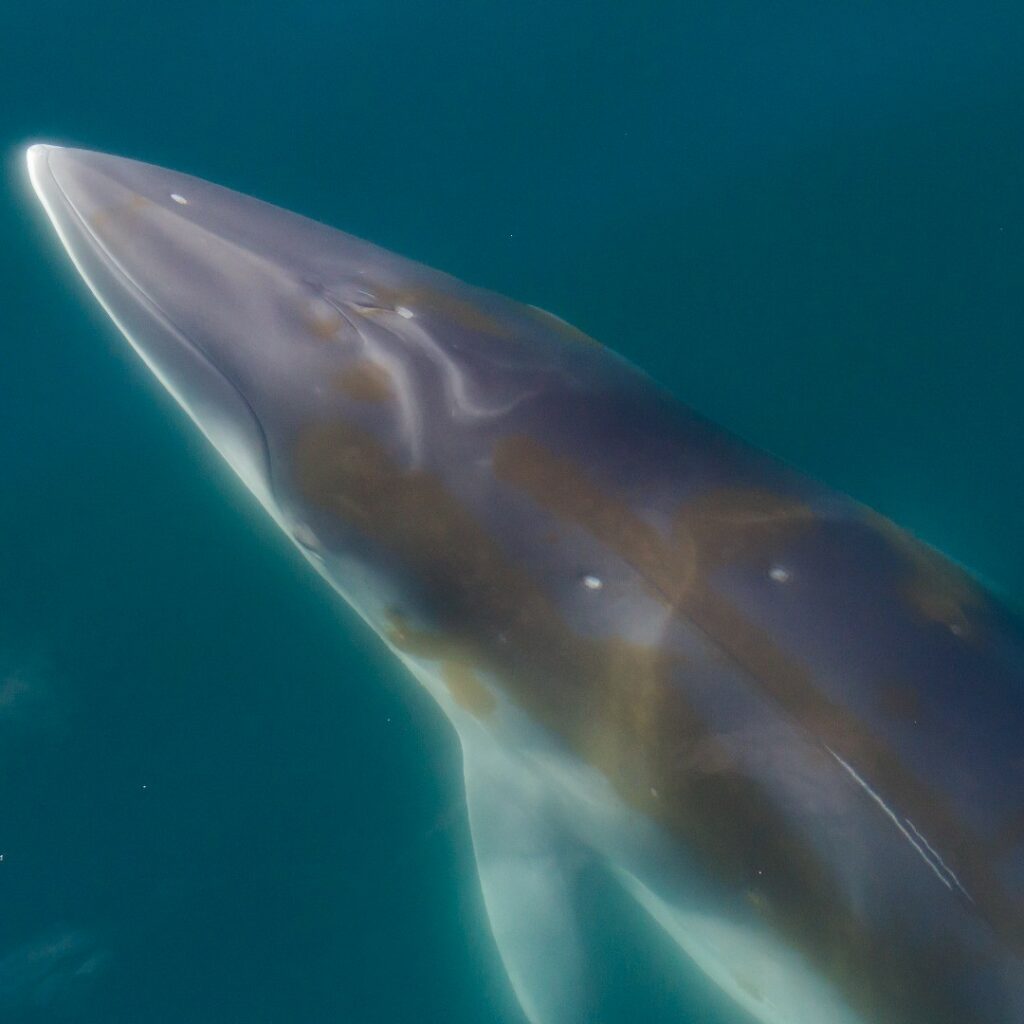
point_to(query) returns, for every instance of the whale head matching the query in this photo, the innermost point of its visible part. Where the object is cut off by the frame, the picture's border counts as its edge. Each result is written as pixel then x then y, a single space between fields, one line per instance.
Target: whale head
pixel 316 363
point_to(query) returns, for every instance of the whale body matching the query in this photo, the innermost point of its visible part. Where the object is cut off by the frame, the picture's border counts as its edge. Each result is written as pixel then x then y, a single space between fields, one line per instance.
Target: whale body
pixel 792 732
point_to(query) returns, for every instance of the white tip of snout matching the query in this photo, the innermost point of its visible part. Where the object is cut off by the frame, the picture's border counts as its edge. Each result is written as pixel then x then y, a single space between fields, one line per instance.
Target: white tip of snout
pixel 36 154
pixel 35 157
pixel 35 162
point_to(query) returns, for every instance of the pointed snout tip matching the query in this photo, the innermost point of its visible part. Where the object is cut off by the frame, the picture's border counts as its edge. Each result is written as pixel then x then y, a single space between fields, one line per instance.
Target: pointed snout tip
pixel 36 159
pixel 45 170
pixel 35 165
pixel 36 152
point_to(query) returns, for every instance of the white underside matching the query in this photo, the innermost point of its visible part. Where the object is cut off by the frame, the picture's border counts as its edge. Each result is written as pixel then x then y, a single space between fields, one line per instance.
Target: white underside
pixel 766 978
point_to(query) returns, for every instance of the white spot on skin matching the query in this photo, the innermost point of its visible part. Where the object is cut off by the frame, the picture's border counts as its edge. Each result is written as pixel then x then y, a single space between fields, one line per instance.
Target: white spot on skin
pixel 592 582
pixel 179 199
pixel 779 574
pixel 404 312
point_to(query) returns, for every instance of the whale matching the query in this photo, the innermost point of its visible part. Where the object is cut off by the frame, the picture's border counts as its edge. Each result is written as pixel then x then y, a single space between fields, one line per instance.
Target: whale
pixel 790 732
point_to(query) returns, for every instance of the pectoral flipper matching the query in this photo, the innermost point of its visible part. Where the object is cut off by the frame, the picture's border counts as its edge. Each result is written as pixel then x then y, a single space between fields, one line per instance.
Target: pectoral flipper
pixel 529 869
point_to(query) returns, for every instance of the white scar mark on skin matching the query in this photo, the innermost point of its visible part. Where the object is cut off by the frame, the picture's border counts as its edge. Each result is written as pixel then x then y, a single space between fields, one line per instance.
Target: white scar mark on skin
pixel 949 871
pixel 891 815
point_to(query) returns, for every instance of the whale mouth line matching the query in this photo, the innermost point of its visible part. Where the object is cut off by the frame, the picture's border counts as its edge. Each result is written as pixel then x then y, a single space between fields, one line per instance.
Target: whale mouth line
pixel 124 277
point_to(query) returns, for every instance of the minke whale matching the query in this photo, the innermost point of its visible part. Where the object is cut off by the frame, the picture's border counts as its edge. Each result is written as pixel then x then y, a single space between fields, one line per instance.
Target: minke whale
pixel 790 730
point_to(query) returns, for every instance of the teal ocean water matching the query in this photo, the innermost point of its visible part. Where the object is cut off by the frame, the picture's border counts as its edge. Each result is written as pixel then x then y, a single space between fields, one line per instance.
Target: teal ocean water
pixel 220 802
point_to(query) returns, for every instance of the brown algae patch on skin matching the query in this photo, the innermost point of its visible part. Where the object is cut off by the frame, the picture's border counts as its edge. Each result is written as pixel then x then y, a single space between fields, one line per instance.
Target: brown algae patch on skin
pixel 365 381
pixel 934 588
pixel 322 321
pixel 103 219
pixel 559 486
pixel 466 688
pixel 457 670
pixel 737 524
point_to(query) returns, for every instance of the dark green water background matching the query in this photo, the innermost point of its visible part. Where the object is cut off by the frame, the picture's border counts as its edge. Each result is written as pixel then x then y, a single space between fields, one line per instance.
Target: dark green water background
pixel 219 802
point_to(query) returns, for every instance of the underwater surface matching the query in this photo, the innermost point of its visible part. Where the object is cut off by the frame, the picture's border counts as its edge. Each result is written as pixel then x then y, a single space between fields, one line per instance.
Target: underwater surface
pixel 220 799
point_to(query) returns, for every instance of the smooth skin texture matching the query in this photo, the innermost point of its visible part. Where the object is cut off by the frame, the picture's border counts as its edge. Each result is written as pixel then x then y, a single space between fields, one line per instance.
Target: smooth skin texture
pixel 792 731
